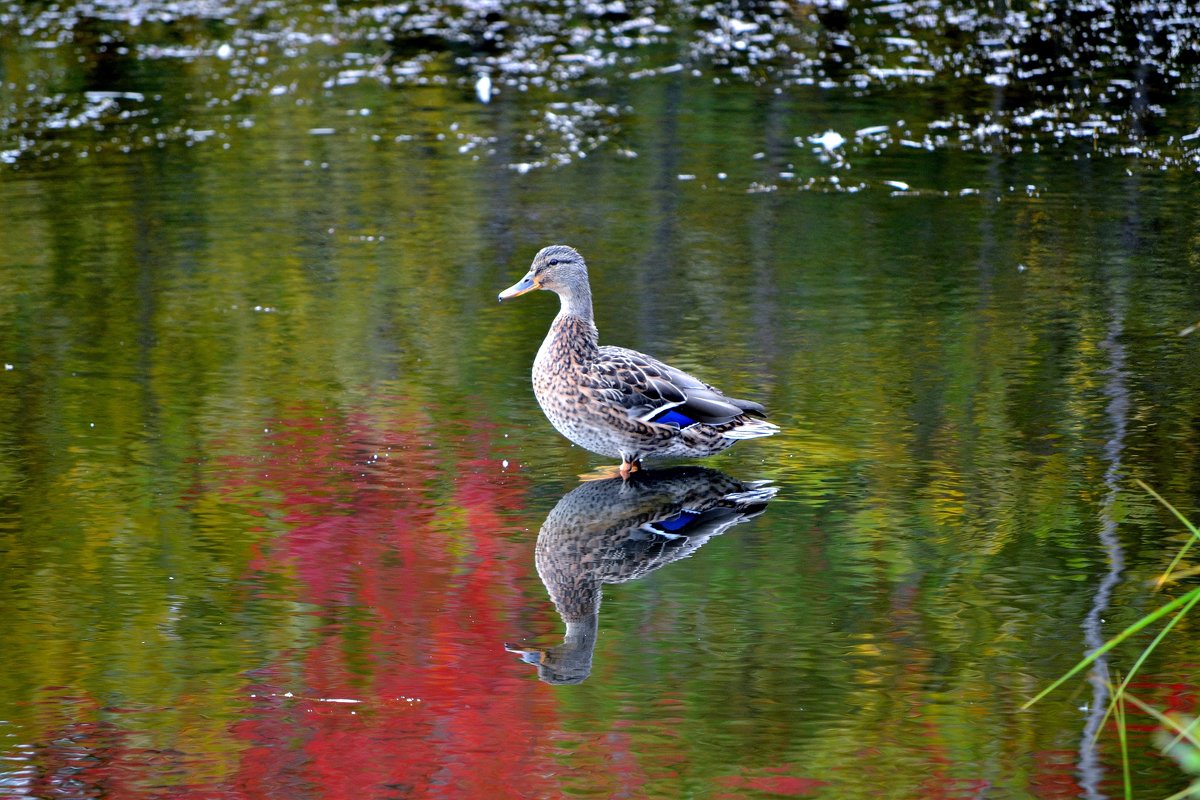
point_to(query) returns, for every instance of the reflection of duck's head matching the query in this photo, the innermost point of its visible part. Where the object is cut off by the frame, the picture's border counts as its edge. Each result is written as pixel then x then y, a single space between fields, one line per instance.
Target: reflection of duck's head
pixel 614 531
pixel 569 662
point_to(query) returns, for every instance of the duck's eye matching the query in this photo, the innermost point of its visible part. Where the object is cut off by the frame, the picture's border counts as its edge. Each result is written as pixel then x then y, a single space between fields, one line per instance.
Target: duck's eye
pixel 552 262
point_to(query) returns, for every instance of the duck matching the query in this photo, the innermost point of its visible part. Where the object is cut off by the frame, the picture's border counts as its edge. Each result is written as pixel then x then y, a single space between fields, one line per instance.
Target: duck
pixel 619 402
pixel 615 531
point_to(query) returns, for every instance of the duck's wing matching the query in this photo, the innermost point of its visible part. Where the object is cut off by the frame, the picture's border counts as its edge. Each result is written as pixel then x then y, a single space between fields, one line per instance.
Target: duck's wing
pixel 651 391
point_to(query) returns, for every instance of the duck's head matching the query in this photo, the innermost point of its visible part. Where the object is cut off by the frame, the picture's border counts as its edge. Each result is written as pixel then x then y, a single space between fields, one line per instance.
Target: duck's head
pixel 557 268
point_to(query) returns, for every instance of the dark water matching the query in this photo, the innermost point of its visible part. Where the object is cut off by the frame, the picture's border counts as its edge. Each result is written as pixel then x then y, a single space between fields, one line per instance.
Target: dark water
pixel 272 476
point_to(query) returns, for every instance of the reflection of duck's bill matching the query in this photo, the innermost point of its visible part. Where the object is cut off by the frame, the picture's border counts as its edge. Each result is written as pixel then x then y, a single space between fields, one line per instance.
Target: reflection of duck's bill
pixel 528 656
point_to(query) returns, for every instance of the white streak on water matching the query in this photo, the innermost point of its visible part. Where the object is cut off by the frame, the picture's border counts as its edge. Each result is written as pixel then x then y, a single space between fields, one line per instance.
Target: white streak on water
pixel 1091 771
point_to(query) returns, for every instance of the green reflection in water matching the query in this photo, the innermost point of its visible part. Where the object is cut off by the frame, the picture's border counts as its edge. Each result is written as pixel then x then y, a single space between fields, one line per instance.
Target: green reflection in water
pixel 251 443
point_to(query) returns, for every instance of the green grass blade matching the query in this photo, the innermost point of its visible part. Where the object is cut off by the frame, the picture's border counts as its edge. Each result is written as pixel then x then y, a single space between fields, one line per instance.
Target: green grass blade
pixel 1191 791
pixel 1178 515
pixel 1187 733
pixel 1166 504
pixel 1149 619
pixel 1124 743
pixel 1141 659
pixel 1165 721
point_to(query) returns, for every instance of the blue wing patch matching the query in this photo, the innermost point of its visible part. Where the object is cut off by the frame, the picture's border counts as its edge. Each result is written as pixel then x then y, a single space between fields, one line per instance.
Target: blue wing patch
pixel 673 417
pixel 677 522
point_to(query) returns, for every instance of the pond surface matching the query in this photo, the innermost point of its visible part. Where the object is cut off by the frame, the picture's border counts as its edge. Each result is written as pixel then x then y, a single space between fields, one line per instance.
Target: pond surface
pixel 280 516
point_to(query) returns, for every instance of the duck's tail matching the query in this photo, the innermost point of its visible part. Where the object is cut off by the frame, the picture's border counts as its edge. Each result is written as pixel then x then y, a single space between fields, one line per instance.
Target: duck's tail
pixel 753 498
pixel 751 429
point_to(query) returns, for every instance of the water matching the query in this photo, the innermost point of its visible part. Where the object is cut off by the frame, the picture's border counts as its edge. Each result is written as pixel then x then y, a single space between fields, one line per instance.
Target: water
pixel 273 480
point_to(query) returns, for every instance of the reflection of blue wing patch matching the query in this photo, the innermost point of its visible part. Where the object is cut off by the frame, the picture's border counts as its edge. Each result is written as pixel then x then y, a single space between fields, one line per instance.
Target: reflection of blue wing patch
pixel 673 417
pixel 677 522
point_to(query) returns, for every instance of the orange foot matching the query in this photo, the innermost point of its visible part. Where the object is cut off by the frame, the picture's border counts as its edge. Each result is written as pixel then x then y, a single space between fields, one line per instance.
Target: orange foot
pixel 607 472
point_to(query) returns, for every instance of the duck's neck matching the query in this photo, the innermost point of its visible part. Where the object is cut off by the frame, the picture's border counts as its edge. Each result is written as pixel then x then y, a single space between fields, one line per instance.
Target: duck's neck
pixel 581 633
pixel 572 337
pixel 577 302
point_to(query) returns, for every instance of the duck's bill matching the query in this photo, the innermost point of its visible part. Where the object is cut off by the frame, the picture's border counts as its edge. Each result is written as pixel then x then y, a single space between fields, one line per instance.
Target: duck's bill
pixel 526 284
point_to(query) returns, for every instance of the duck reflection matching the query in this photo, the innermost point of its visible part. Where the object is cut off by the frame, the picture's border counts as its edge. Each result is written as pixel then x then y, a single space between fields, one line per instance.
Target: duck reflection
pixel 613 531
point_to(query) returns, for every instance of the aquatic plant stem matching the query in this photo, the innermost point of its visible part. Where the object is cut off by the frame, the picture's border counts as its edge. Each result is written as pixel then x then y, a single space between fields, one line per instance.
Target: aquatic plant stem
pixel 1120 690
pixel 1183 733
pixel 1167 722
pixel 1145 621
pixel 1186 733
pixel 1123 741
pixel 1191 791
pixel 1178 515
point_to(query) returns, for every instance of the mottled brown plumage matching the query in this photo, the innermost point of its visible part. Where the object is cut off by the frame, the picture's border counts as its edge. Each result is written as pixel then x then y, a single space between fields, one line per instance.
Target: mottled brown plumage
pixel 615 401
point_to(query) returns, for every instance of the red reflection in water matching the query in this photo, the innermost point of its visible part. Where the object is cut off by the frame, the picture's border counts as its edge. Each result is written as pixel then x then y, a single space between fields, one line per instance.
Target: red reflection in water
pixel 1171 698
pixel 412 584
pixel 779 781
pixel 1055 776
pixel 410 588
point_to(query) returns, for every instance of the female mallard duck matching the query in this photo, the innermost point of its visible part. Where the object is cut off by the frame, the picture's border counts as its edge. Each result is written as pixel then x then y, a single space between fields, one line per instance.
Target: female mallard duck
pixel 619 402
